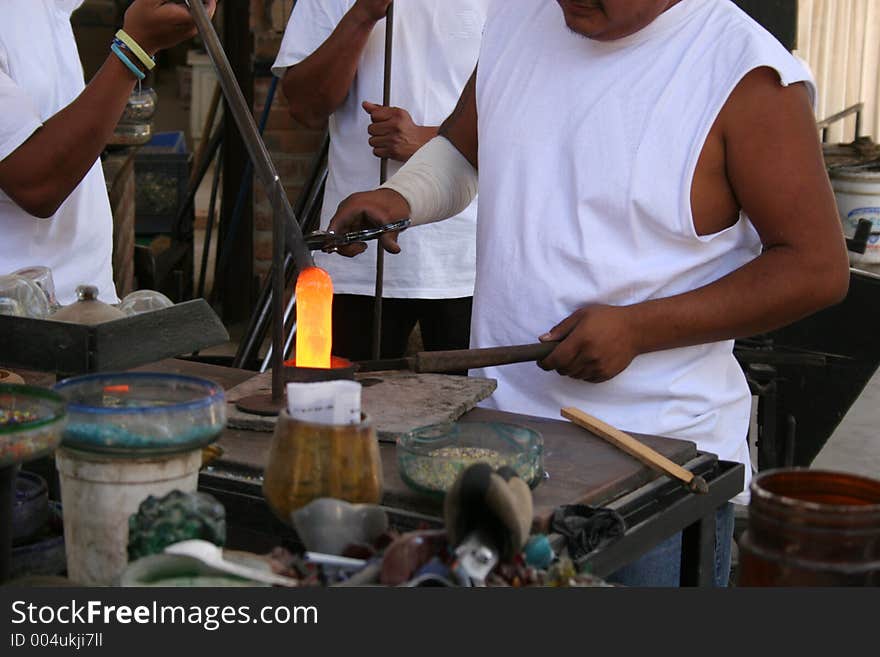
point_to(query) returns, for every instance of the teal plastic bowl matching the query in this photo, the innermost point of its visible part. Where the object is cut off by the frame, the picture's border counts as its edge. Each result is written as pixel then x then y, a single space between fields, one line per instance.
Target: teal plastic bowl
pixel 141 413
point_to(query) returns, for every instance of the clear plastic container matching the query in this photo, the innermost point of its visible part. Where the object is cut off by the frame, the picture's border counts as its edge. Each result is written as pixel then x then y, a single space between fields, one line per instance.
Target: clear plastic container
pixel 42 276
pixel 131 134
pixel 140 107
pixel 22 297
pixel 141 413
pixel 431 458
pixel 144 301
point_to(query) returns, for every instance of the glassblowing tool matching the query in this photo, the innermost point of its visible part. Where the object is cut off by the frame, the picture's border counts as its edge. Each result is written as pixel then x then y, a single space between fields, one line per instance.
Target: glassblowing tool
pixel 321 240
pixel 286 232
pixel 383 177
pixel 625 442
pixel 457 360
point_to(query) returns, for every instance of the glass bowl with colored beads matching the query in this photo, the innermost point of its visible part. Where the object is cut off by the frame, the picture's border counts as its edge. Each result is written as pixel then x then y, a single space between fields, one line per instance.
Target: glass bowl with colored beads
pixel 430 458
pixel 31 423
pixel 141 413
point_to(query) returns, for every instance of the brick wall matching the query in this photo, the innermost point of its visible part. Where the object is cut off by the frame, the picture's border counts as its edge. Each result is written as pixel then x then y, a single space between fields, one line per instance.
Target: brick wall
pixel 292 146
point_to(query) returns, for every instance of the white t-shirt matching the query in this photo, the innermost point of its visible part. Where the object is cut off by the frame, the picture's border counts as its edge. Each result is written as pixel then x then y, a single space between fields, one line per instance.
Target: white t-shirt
pixel 40 74
pixel 436 45
pixel 597 208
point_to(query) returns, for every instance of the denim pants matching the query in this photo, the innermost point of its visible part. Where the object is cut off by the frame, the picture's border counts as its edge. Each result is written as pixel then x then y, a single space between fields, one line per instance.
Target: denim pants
pixel 662 565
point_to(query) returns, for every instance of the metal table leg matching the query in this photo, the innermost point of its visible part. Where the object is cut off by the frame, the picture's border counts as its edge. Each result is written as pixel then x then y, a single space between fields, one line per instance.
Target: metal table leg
pixel 698 553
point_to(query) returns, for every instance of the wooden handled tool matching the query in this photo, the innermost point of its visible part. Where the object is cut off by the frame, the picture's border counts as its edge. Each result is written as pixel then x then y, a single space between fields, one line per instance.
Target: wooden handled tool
pixel 461 359
pixel 633 447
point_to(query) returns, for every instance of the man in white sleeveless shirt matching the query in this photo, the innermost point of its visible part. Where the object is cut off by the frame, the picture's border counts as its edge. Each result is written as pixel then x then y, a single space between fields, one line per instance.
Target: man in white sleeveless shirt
pixel 651 188
pixel 54 209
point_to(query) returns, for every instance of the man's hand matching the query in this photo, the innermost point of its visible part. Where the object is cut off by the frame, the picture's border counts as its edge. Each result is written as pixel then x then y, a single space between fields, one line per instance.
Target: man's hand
pixel 372 10
pixel 598 343
pixel 393 133
pixel 159 24
pixel 368 210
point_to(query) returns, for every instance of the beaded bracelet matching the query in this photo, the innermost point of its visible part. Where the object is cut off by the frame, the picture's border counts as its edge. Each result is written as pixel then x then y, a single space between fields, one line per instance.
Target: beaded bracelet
pixel 138 73
pixel 138 52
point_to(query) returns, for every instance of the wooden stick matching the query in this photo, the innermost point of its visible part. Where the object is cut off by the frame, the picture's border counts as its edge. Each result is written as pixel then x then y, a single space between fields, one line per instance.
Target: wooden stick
pixel 633 447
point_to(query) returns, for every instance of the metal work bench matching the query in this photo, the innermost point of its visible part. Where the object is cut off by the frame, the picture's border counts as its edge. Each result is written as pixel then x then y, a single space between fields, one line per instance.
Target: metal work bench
pixel 582 469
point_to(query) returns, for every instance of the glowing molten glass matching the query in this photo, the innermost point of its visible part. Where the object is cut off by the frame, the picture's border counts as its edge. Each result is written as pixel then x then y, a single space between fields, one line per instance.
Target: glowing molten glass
pixel 314 305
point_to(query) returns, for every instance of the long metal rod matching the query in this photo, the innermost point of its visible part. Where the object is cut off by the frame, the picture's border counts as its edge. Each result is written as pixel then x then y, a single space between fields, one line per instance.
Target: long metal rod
pixel 308 204
pixel 285 228
pixel 209 228
pixel 383 176
pixel 247 180
pixel 288 311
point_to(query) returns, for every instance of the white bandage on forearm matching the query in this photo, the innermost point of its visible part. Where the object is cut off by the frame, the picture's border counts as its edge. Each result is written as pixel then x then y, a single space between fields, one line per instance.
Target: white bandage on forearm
pixel 437 181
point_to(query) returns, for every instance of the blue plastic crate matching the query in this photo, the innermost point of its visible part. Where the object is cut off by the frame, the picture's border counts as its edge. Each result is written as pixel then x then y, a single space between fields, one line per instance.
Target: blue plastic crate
pixel 166 143
pixel 162 169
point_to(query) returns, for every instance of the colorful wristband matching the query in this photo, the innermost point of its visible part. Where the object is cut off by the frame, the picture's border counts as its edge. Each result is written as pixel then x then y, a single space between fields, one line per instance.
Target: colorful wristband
pixel 138 52
pixel 138 73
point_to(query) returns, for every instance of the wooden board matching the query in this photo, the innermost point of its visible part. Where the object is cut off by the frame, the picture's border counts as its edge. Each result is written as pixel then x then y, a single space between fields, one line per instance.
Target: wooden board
pixel 397 402
pixel 50 346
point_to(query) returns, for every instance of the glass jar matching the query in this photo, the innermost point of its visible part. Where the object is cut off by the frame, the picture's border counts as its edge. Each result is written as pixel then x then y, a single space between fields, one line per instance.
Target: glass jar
pixel 22 297
pixel 42 276
pixel 308 461
pixel 811 528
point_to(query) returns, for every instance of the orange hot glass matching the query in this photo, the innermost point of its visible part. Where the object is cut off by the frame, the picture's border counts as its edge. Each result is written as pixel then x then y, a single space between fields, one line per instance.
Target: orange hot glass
pixel 314 305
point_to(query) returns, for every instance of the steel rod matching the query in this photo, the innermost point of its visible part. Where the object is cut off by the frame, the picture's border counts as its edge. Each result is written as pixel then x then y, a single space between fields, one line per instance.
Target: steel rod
pixel 311 195
pixel 247 180
pixel 383 176
pixel 209 228
pixel 244 119
pixel 285 228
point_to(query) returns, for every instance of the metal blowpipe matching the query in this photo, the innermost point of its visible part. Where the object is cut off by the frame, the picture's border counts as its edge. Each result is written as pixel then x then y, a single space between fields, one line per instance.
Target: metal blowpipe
pixel 285 227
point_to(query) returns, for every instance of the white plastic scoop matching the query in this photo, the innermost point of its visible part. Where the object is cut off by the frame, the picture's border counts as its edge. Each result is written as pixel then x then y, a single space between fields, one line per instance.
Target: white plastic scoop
pixel 211 555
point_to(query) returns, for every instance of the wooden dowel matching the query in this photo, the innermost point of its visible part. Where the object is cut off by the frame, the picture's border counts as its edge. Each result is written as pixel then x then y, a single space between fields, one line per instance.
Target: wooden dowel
pixel 633 447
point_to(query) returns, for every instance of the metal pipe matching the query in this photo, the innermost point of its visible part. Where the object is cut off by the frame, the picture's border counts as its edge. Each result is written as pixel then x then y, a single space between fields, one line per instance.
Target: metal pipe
pixel 259 155
pixel 383 176
pixel 285 228
pixel 310 196
pixel 209 228
pixel 270 351
pixel 244 189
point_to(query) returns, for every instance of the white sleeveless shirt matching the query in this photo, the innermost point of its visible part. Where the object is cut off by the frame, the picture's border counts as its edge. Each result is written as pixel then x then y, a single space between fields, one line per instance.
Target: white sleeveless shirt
pixel 587 152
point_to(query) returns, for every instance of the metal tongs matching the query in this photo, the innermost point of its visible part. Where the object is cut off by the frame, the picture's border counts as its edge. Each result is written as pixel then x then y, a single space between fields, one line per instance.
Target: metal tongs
pixel 321 240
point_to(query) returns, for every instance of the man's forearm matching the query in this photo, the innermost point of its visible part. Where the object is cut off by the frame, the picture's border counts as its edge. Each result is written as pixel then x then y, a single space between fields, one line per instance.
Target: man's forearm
pixel 318 85
pixel 774 290
pixel 44 170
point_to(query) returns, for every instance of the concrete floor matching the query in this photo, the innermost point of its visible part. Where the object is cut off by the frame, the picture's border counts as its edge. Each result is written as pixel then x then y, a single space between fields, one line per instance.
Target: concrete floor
pixel 855 446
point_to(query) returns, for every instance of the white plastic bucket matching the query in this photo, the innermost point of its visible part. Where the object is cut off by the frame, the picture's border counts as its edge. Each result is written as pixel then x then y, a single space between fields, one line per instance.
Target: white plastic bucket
pixel 100 493
pixel 857 190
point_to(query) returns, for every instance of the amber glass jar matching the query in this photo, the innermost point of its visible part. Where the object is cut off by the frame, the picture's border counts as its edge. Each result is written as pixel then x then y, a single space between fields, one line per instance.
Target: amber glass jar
pixel 308 461
pixel 811 528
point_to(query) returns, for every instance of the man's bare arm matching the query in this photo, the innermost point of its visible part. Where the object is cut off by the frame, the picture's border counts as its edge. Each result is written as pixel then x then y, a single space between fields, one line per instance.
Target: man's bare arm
pixel 317 86
pixel 776 171
pixel 41 173
pixel 460 128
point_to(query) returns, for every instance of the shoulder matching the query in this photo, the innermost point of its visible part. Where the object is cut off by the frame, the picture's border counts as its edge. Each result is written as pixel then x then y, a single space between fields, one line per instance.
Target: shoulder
pixel 762 98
